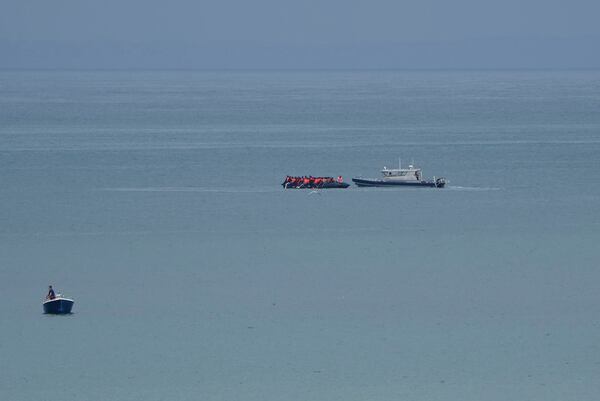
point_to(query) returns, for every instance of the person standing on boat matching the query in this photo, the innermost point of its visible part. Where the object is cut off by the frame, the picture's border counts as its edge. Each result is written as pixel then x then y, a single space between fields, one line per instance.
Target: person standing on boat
pixel 51 294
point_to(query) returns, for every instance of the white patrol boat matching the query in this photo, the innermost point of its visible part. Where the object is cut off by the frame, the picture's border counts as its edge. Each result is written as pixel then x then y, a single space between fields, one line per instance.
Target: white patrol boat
pixel 410 176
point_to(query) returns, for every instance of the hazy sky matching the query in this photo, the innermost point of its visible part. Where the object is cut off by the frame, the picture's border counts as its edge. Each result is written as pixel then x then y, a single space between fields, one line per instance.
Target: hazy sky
pixel 300 34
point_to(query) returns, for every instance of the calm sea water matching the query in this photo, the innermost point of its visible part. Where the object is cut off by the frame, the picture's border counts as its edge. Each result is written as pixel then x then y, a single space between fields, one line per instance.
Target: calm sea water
pixel 153 199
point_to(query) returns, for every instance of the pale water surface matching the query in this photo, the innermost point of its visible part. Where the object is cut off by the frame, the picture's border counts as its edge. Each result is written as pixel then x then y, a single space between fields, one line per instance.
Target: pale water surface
pixel 153 199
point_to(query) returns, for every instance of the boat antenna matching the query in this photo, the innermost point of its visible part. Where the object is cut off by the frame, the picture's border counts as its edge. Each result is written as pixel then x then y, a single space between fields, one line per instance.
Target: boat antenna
pixel 399 163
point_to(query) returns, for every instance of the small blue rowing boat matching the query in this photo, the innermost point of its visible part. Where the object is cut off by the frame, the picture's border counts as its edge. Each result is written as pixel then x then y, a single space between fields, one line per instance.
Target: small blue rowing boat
pixel 58 305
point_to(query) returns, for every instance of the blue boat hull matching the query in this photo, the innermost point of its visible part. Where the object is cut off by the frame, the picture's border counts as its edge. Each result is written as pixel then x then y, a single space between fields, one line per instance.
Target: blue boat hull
pixel 365 182
pixel 59 306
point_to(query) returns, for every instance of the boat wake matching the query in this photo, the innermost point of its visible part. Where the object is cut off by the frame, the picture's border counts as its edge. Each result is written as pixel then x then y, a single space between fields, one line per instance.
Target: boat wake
pixel 417 189
pixel 459 188
pixel 189 189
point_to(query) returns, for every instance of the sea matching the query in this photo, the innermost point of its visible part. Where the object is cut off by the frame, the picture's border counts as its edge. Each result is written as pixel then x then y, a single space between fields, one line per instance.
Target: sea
pixel 154 200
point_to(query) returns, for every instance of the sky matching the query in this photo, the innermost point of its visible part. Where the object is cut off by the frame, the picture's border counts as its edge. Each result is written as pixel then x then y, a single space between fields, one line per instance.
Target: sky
pixel 308 34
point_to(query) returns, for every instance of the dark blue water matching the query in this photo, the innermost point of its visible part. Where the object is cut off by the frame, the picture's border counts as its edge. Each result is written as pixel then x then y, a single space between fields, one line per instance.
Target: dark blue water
pixel 153 199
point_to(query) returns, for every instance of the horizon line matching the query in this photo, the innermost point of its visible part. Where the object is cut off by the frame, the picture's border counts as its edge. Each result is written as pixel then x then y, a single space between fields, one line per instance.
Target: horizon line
pixel 425 69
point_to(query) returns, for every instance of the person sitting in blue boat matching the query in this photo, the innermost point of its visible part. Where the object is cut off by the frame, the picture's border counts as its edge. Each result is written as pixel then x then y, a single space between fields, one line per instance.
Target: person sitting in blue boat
pixel 51 294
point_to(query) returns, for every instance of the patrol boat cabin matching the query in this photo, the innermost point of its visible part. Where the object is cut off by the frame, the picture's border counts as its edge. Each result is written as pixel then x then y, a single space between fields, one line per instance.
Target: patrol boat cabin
pixel 402 174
